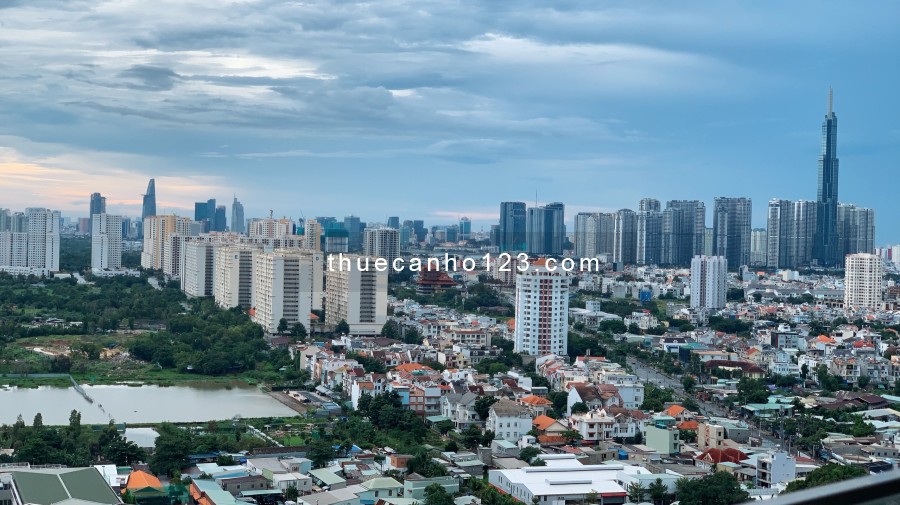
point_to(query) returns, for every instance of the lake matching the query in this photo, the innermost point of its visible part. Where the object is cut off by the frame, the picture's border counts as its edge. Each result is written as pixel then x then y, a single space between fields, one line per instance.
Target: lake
pixel 194 402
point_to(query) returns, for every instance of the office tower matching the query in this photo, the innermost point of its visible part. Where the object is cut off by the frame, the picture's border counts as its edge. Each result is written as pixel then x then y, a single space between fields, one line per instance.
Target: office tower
pixel 98 206
pixel 545 229
pixel 337 240
pixel 149 207
pixel 731 230
pixel 197 271
pixel 625 240
pixel 220 221
pixel 649 233
pixel 201 215
pixel 465 228
pixel 826 251
pixel 237 217
pixel 587 234
pixel 494 235
pixel 856 229
pixel 708 282
pixel 407 235
pixel 285 284
pixel 312 235
pixel 862 281
pixel 106 242
pixel 158 232
pixel 233 275
pixel 354 229
pixel 684 226
pixel 393 222
pixel 512 227
pixel 419 227
pixel 606 242
pixel 542 307
pixel 758 247
pixel 5 220
pixel 356 295
pixel 790 234
pixel 649 205
pixel 270 228
pixel 708 243
pixel 382 243
pixel 43 239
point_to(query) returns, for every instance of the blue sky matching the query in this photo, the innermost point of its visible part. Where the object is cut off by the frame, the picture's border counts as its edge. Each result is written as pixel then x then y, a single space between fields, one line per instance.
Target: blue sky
pixel 438 109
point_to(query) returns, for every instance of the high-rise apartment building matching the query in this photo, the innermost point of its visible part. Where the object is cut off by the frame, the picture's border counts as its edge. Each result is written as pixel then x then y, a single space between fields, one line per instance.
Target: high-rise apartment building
pixel 233 275
pixel 355 234
pixel 512 227
pixel 731 230
pixel 337 240
pixel 106 242
pixel 382 243
pixel 790 233
pixel 271 228
pixel 5 220
pixel 97 206
pixel 542 307
pixel 856 229
pixel 312 235
pixel 758 247
pixel 285 283
pixel 826 251
pixel 625 237
pixel 196 271
pixel 587 234
pixel 158 232
pixel 709 277
pixel 684 226
pixel 356 295
pixel 649 205
pixel 238 225
pixel 863 275
pixel 545 229
pixel 43 239
pixel 649 233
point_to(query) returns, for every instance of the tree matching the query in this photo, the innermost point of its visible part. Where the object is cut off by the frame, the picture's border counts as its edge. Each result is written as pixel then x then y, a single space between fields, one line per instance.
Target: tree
pixel 571 436
pixel 451 446
pixel 483 406
pixel 538 462
pixel 321 452
pixel 291 493
pixel 528 453
pixel 688 383
pixel 863 381
pixel 172 448
pixel 579 408
pixel 827 474
pixel 38 422
pixel 342 328
pixel 636 492
pixel 658 491
pixel 435 494
pixel 720 488
pixel 298 331
pixel 282 325
pixel 804 371
pixel 389 330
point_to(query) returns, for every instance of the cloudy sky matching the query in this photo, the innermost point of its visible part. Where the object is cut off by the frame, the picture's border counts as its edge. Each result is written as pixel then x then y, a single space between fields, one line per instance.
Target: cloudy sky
pixel 437 109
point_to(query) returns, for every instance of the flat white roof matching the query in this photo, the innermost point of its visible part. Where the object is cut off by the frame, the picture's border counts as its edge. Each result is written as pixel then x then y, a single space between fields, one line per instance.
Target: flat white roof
pixel 572 479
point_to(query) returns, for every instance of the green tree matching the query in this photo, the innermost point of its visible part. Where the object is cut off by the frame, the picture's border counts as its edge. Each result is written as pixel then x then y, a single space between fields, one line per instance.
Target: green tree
pixel 282 325
pixel 720 488
pixel 389 330
pixel 483 406
pixel 528 453
pixel 688 383
pixel 579 408
pixel 435 494
pixel 291 493
pixel 342 328
pixel 658 491
pixel 863 381
pixel 298 331
pixel 571 436
pixel 804 371
pixel 171 450
pixel 636 492
pixel 826 474
pixel 321 452
pixel 451 446
pixel 38 421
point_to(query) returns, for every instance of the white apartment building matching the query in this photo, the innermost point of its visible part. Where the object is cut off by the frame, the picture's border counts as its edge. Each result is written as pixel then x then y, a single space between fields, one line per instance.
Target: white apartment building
pixel 708 282
pixel 270 228
pixel 233 275
pixel 106 242
pixel 197 274
pixel 382 243
pixel 775 468
pixel 157 233
pixel 285 283
pixel 863 275
pixel 312 235
pixel 542 307
pixel 43 239
pixel 508 420
pixel 356 295
pixel 13 249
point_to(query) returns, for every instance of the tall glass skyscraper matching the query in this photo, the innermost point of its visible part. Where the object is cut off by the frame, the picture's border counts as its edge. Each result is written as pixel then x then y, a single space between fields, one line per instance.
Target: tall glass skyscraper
pixel 826 251
pixel 149 207
pixel 512 226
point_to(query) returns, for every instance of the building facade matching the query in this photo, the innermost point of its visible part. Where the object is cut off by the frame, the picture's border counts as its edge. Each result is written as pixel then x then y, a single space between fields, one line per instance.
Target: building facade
pixel 106 242
pixel 863 275
pixel 542 307
pixel 709 276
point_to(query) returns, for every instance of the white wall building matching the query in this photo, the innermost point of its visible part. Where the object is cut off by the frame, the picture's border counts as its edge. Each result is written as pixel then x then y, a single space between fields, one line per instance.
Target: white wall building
pixel 708 282
pixel 357 295
pixel 13 249
pixel 863 275
pixel 775 468
pixel 233 275
pixel 508 420
pixel 157 233
pixel 285 283
pixel 106 242
pixel 542 308
pixel 382 243
pixel 312 235
pixel 43 239
pixel 197 272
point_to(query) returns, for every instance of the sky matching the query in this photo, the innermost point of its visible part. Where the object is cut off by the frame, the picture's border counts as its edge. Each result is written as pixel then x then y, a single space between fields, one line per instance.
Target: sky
pixel 436 109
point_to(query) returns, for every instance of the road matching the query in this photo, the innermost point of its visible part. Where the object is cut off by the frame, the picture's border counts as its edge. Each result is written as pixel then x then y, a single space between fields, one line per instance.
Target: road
pixel 648 374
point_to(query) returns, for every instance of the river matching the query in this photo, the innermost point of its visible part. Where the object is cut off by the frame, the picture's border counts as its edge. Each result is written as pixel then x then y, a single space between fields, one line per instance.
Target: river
pixel 194 402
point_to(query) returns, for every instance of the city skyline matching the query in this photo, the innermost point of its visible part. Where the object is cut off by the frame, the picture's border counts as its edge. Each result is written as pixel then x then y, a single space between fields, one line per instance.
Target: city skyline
pixel 217 107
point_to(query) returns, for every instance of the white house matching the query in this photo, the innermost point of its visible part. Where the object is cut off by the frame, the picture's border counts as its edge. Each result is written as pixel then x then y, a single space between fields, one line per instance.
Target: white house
pixel 508 420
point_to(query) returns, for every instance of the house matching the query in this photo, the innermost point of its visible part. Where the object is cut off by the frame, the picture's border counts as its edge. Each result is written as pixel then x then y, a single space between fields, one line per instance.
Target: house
pixel 326 479
pixel 587 394
pixel 460 408
pixel 81 486
pixel 548 426
pixel 380 487
pixel 536 404
pixel 240 483
pixel 146 489
pixel 414 485
pixel 508 420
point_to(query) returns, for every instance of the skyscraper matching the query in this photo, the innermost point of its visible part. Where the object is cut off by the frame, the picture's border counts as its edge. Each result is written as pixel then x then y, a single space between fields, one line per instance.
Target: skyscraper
pixel 708 282
pixel 357 296
pixel 587 234
pixel 106 242
pixel 219 223
pixel 43 239
pixel 542 307
pixel 394 222
pixel 237 216
pixel 856 229
pixel 149 208
pixel 382 243
pixel 354 229
pixel 512 227
pixel 649 235
pixel 98 206
pixel 790 233
pixel 731 230
pixel 625 241
pixel 862 281
pixel 826 251
pixel 649 205
pixel 545 229
pixel 465 228
pixel 684 225
pixel 758 247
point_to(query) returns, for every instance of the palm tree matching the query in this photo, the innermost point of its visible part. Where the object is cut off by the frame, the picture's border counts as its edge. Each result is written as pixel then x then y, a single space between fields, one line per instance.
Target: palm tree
pixel 636 492
pixel 658 491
